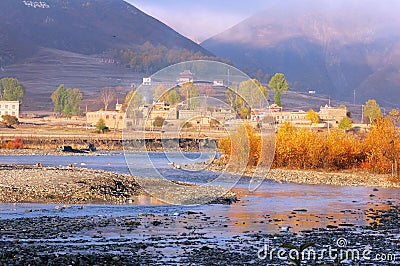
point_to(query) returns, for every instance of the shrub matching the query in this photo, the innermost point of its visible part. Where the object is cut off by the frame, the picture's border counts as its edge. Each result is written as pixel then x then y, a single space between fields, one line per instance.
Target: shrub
pixel 14 144
pixel 10 120
pixel 158 121
pixel 187 125
pixel 101 126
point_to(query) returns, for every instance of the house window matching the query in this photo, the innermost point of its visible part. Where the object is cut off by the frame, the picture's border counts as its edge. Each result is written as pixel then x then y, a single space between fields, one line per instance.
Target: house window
pixel 13 107
pixel 6 106
pixel 13 113
pixel 107 116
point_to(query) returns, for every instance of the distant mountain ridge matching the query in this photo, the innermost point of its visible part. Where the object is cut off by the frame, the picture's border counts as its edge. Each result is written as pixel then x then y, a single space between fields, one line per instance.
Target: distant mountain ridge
pixel 45 43
pixel 80 26
pixel 333 48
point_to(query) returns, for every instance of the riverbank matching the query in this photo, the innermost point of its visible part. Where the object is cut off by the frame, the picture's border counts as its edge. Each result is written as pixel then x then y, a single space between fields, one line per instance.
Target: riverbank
pixel 70 185
pixel 311 177
pixel 347 178
pixel 153 141
pixel 48 152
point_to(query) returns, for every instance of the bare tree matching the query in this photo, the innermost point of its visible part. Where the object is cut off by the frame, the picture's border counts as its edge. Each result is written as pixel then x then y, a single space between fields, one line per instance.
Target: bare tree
pixel 107 95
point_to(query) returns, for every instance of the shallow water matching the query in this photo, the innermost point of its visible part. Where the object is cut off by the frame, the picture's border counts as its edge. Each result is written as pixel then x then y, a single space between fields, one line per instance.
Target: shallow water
pixel 270 208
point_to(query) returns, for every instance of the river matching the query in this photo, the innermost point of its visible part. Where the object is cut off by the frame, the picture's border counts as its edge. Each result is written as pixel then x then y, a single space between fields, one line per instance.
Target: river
pixel 300 207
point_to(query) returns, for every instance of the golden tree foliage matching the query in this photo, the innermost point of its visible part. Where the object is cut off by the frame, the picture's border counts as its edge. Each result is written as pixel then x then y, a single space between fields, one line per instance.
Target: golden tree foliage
pixel 382 146
pixel 342 151
pixel 302 148
pixel 306 149
pixel 312 116
pixel 243 146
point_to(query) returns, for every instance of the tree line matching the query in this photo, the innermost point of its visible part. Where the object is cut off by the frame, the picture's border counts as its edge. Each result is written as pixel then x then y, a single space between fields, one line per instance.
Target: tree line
pixel 376 151
pixel 66 101
pixel 149 58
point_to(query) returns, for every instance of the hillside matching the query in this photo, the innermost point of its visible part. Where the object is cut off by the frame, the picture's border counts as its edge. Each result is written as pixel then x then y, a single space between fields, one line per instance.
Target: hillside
pixel 331 48
pixel 75 42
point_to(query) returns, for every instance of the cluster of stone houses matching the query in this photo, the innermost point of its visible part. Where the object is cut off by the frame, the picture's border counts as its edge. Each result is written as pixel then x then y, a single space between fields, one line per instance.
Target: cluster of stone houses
pixel 206 118
pixel 328 115
pixel 202 116
pixel 177 116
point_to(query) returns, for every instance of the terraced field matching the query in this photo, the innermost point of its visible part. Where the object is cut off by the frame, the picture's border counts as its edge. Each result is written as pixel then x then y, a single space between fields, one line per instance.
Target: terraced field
pixel 49 68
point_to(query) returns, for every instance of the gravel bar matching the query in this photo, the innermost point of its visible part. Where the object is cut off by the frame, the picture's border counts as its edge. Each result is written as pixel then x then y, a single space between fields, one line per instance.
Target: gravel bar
pixel 70 185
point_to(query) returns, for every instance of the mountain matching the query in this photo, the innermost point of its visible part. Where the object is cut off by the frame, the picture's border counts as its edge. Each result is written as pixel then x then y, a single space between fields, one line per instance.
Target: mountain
pixel 45 43
pixel 332 47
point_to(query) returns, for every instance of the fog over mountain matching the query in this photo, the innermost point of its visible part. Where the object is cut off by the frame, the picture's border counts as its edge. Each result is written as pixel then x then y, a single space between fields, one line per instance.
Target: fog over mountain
pixel 333 47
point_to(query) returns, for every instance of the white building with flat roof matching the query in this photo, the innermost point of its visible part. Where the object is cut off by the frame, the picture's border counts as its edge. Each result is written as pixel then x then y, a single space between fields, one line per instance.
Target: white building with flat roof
pixel 9 108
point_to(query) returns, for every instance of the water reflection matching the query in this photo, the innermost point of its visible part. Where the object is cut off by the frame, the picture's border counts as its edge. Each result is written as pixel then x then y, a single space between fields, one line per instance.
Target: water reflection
pixel 275 207
pixel 146 200
pixel 271 208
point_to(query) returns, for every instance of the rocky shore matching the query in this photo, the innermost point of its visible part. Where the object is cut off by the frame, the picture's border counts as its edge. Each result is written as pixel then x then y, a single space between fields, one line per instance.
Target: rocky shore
pixel 310 177
pixel 190 238
pixel 70 185
pixel 332 178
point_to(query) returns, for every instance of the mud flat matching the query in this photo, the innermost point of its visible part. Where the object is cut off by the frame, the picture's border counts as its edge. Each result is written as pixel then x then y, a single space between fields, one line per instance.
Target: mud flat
pixel 70 185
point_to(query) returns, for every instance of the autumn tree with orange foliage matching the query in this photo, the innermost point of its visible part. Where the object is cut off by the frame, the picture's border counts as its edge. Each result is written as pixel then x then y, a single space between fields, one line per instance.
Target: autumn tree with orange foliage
pixel 243 146
pixel 382 146
pixel 306 149
pixel 378 152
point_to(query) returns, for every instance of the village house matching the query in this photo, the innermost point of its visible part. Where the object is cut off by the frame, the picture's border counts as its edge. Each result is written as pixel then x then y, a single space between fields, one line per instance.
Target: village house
pixel 9 108
pixel 185 76
pixel 158 109
pixel 112 118
pixel 331 114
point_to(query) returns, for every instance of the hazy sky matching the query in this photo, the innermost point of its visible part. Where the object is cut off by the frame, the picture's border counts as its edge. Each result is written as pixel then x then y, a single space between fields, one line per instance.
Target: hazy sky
pixel 199 19
pixel 202 19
